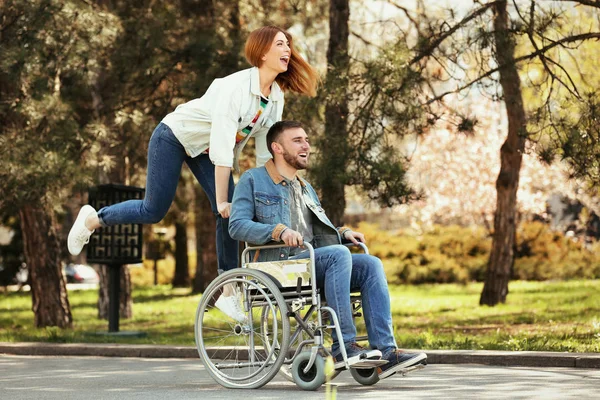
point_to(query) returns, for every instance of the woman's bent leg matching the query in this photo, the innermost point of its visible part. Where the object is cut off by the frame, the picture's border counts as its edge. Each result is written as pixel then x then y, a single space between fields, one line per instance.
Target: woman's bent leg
pixel 227 248
pixel 165 157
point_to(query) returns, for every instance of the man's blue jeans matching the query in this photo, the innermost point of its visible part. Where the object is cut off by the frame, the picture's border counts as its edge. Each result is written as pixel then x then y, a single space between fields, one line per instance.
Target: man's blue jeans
pixel 339 272
pixel 166 155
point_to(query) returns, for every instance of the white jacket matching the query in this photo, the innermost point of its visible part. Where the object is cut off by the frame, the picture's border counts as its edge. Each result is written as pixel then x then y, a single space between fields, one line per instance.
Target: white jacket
pixel 228 106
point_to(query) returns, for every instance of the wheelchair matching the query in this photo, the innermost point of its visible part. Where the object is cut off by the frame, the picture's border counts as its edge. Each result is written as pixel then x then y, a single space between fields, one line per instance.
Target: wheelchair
pixel 285 331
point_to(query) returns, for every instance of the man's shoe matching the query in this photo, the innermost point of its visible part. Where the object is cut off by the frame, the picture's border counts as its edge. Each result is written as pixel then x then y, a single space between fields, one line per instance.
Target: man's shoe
pixel 398 360
pixel 358 357
pixel 79 235
pixel 232 306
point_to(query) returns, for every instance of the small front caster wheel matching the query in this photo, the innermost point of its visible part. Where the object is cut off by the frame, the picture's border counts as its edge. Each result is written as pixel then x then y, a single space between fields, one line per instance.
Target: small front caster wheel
pixel 367 376
pixel 314 377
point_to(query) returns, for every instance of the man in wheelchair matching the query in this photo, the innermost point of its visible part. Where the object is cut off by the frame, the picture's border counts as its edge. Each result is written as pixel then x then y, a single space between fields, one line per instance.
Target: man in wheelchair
pixel 272 203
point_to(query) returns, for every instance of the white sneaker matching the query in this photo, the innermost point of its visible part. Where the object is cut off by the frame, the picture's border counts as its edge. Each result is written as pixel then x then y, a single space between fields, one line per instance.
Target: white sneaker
pixel 79 235
pixel 232 306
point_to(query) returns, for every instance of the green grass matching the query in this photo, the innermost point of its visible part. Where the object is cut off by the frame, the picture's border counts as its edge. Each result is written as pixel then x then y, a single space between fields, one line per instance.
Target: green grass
pixel 539 316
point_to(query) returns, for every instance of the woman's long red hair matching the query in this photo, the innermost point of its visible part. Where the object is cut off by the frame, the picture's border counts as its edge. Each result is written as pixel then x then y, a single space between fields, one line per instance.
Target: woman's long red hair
pixel 300 77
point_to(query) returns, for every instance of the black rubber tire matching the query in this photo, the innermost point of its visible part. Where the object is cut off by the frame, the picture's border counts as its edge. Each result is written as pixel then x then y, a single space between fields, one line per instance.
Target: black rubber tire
pixel 314 378
pixel 366 377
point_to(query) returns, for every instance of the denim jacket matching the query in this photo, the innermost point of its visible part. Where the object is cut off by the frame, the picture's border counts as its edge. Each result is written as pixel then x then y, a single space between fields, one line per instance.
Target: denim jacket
pixel 261 211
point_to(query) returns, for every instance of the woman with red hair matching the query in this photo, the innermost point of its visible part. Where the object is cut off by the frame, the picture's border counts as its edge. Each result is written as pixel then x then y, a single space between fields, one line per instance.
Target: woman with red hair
pixel 208 134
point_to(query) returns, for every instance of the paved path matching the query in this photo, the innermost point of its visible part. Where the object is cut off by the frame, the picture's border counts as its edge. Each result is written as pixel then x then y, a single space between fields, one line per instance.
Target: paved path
pixel 89 377
pixel 487 357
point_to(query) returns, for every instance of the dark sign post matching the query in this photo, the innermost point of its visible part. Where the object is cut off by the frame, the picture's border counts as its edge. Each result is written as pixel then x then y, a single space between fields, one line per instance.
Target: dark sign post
pixel 115 245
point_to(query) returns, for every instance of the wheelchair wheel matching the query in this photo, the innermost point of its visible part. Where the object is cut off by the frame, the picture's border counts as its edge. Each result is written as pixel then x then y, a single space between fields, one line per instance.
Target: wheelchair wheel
pixel 367 377
pixel 242 354
pixel 297 336
pixel 315 376
pixel 265 326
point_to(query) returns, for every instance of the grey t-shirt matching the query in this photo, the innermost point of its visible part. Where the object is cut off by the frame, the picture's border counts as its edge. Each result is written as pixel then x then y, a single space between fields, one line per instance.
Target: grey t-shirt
pixel 301 217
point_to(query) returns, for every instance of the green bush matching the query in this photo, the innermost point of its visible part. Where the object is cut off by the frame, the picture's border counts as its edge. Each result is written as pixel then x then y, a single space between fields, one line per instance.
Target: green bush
pixel 544 254
pixel 455 254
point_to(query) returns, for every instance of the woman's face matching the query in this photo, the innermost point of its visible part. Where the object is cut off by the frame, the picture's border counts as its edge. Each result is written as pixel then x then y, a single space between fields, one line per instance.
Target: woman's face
pixel 278 56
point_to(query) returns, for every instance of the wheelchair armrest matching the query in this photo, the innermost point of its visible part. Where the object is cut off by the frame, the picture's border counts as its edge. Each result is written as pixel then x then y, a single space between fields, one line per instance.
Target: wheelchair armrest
pixel 363 246
pixel 274 245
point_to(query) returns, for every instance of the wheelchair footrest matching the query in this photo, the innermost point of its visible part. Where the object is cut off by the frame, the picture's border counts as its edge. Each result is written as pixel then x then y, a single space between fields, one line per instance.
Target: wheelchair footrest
pixel 409 369
pixel 360 363
pixel 368 364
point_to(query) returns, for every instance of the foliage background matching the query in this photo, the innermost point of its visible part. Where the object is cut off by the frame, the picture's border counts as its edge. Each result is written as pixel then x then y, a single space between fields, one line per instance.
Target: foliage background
pixel 83 83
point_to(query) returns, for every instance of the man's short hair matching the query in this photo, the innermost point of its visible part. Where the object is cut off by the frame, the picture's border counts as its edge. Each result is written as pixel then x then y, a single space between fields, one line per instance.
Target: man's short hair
pixel 277 129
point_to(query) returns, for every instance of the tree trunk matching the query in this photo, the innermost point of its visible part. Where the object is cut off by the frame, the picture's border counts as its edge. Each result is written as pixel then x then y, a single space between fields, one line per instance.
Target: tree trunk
pixel 50 301
pixel 235 33
pixel 178 214
pixel 501 259
pixel 331 175
pixel 206 248
pixel 230 60
pixel 182 271
pixel 125 299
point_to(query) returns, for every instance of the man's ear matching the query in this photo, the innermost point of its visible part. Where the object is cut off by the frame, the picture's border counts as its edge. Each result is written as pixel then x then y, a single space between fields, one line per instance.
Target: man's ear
pixel 276 147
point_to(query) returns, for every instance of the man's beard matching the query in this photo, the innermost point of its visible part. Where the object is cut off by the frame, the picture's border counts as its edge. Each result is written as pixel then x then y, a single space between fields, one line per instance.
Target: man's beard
pixel 294 161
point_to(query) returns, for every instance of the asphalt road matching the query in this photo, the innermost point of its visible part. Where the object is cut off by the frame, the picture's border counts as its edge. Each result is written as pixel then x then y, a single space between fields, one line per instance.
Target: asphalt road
pixel 44 377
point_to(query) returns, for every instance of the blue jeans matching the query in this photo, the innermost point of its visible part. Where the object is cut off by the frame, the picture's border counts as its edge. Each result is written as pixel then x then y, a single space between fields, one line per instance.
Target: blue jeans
pixel 338 273
pixel 166 155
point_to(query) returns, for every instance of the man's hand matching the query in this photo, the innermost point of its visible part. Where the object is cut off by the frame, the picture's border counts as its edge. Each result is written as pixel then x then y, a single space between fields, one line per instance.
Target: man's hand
pixel 291 238
pixel 224 209
pixel 354 237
